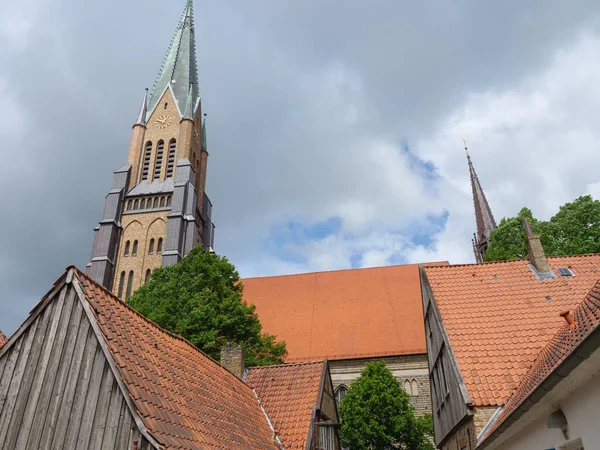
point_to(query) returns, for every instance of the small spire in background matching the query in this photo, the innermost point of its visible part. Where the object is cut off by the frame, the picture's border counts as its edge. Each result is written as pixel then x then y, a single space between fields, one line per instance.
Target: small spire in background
pixel 141 120
pixel 466 147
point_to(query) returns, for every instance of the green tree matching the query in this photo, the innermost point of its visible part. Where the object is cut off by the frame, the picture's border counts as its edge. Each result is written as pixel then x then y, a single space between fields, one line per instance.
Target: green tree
pixel 200 299
pixel 573 230
pixel 376 414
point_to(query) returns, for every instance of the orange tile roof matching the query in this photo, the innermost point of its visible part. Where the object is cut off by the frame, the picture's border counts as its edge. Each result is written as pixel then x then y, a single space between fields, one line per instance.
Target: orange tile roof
pixel 342 314
pixel 185 399
pixel 3 339
pixel 288 394
pixel 498 316
pixel 564 342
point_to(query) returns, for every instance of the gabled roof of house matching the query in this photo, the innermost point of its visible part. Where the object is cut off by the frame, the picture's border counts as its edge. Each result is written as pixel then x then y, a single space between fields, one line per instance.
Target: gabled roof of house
pixel 184 398
pixel 563 344
pixel 498 316
pixel 288 394
pixel 342 314
pixel 3 339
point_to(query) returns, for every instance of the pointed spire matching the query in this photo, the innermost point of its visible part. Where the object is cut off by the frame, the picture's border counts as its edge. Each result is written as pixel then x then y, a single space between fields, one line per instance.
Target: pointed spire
pixel 204 134
pixel 141 120
pixel 179 66
pixel 483 214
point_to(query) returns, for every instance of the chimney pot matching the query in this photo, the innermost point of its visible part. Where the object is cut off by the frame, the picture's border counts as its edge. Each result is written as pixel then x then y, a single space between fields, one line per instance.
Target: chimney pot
pixel 232 358
pixel 566 314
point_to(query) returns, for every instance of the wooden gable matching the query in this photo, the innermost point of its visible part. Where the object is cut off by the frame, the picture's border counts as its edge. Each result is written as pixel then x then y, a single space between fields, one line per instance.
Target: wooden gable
pixel 57 386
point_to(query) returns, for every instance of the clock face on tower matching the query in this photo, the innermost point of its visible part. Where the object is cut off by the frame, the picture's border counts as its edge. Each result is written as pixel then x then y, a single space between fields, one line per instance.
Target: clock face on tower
pixel 163 121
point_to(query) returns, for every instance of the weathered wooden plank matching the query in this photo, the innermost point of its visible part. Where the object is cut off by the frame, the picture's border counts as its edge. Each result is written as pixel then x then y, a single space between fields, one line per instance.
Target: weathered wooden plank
pixel 78 366
pixel 112 421
pixel 53 369
pixel 11 362
pixel 124 428
pixel 2 365
pixel 81 327
pixel 13 390
pixel 101 410
pixel 30 371
pixel 81 392
pixel 85 430
pixel 40 372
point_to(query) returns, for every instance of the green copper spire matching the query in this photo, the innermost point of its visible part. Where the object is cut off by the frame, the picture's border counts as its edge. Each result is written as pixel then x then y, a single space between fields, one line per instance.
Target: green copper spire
pixel 179 67
pixel 141 120
pixel 188 112
pixel 204 134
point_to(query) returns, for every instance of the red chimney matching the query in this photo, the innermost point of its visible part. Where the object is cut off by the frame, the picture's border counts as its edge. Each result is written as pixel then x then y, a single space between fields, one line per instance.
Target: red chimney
pixel 566 314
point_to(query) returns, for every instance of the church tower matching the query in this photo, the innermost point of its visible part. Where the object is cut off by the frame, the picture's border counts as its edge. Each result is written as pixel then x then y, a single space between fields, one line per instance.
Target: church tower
pixel 157 209
pixel 483 215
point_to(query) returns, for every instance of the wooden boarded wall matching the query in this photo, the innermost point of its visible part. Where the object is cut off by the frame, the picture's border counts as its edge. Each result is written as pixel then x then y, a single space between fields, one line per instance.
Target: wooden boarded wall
pixel 57 390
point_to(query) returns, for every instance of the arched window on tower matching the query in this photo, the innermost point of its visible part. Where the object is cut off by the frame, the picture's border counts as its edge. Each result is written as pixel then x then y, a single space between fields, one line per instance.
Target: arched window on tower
pixel 159 156
pixel 143 203
pixel 159 246
pixel 406 386
pixel 126 251
pixel 129 205
pixel 121 284
pixel 147 155
pixel 155 205
pixel 162 202
pixel 148 272
pixel 340 393
pixel 169 201
pixel 136 204
pixel 171 159
pixel 129 284
pixel 134 250
pixel 414 387
pixel 151 247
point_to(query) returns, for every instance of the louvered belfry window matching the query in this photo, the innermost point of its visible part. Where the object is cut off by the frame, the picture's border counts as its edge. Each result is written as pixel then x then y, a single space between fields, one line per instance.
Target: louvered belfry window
pixel 171 160
pixel 147 155
pixel 159 156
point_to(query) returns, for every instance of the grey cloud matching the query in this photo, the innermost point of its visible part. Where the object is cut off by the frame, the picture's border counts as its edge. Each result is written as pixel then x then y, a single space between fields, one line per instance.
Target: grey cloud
pixel 79 74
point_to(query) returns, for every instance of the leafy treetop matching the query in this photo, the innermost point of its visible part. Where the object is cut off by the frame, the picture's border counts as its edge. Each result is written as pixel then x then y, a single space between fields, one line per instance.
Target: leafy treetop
pixel 200 299
pixel 376 414
pixel 573 230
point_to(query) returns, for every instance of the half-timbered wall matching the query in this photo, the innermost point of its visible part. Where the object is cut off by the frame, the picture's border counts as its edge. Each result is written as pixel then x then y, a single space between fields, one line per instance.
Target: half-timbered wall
pixel 448 393
pixel 57 390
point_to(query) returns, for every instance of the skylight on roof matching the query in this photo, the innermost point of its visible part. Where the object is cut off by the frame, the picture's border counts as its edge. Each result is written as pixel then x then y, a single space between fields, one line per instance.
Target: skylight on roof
pixel 565 272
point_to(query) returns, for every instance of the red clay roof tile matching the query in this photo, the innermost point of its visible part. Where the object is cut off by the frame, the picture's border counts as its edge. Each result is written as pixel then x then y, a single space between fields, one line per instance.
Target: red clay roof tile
pixel 186 400
pixel 586 319
pixel 342 314
pixel 3 339
pixel 288 394
pixel 498 316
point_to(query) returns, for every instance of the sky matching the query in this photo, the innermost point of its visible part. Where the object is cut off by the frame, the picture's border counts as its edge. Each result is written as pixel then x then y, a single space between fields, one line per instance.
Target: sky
pixel 335 128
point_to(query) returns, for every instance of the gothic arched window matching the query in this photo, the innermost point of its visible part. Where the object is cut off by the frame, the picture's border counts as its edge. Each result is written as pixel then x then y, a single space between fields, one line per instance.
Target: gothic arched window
pixel 169 201
pixel 151 246
pixel 159 246
pixel 148 272
pixel 162 202
pixel 147 155
pixel 159 155
pixel 143 203
pixel 121 284
pixel 155 205
pixel 135 246
pixel 340 393
pixel 136 204
pixel 414 387
pixel 406 386
pixel 129 205
pixel 126 251
pixel 171 159
pixel 129 284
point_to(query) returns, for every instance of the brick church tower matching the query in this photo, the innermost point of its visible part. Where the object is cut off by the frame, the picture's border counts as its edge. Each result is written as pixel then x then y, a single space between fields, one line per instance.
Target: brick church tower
pixel 157 209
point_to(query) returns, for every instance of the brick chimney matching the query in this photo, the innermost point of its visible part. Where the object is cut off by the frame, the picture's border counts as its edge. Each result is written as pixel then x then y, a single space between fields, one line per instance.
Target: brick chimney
pixel 537 257
pixel 232 358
